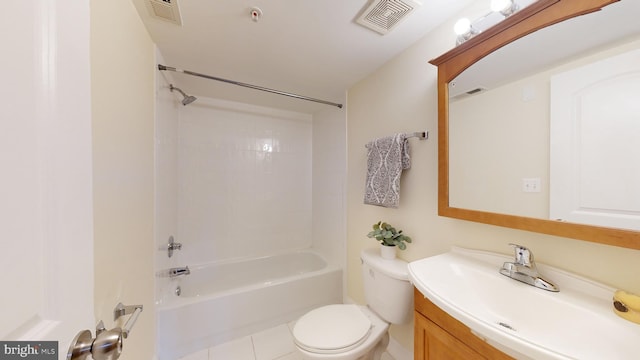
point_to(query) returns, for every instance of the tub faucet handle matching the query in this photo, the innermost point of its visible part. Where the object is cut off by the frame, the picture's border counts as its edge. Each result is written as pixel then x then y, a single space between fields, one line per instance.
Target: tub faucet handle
pixel 172 245
pixel 179 271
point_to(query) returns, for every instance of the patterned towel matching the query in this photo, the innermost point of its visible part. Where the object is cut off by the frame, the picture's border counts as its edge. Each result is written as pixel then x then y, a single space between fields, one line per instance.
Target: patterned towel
pixel 386 158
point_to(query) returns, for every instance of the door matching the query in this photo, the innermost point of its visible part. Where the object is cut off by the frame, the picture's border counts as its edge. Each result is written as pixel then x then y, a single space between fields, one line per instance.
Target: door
pixel 45 152
pixel 595 127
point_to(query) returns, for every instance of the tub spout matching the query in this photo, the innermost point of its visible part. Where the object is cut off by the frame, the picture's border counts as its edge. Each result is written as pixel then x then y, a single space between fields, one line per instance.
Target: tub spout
pixel 179 271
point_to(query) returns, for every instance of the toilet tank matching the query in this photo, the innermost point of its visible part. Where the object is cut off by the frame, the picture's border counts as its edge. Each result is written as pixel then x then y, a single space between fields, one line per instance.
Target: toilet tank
pixel 387 289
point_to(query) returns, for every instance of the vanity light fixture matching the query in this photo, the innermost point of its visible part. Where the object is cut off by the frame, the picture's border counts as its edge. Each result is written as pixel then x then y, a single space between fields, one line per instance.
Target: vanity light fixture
pixel 466 29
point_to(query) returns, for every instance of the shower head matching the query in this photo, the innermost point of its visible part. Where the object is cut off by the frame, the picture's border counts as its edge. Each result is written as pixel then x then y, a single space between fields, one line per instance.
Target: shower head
pixel 187 99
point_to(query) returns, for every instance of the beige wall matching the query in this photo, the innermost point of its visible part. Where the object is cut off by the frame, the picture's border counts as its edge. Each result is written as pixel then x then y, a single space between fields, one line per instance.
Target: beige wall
pixel 122 75
pixel 401 97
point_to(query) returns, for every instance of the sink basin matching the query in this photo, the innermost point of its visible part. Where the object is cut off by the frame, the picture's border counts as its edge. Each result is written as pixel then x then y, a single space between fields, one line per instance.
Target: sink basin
pixel 523 321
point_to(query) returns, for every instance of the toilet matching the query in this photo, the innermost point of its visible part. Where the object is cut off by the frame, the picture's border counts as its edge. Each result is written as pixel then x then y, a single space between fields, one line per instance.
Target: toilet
pixel 355 332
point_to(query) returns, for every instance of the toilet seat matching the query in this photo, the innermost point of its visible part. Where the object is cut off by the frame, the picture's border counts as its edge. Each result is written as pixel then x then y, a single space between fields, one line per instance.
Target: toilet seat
pixel 332 329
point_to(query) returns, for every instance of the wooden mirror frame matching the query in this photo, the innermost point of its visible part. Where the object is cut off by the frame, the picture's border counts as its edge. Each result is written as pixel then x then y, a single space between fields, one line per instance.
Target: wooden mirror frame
pixel 536 16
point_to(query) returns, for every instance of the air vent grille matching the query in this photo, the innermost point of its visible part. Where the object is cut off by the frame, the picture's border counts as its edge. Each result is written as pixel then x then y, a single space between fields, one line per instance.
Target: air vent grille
pixel 456 95
pixel 382 16
pixel 165 9
pixel 476 90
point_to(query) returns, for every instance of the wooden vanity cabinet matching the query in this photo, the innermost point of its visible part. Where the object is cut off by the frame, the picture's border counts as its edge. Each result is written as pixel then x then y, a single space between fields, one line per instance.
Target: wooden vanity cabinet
pixel 438 336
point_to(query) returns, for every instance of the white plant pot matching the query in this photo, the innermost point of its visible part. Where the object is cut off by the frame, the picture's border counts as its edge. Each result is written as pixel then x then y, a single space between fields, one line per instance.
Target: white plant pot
pixel 387 252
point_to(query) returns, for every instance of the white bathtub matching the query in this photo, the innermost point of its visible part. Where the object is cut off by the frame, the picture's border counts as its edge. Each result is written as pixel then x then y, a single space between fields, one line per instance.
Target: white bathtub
pixel 223 301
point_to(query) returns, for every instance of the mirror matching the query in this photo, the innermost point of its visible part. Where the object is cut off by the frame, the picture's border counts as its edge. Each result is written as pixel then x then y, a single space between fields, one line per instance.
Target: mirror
pixel 478 179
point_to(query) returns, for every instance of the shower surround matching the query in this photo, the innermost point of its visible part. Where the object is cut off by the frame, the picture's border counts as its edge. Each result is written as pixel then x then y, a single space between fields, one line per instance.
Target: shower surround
pixel 236 182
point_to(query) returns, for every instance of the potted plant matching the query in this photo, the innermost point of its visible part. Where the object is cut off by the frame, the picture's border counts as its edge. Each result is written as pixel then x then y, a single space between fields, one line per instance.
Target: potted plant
pixel 389 238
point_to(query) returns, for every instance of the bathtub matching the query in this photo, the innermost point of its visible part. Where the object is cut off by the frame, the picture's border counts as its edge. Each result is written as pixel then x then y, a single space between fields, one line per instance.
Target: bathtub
pixel 227 300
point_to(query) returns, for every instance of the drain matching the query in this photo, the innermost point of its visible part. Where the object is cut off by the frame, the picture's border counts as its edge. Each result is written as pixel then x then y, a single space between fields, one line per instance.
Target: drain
pixel 506 326
pixel 178 291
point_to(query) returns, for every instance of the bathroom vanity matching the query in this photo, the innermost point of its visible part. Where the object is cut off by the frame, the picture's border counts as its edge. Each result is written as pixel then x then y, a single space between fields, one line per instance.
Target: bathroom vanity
pixel 437 335
pixel 465 308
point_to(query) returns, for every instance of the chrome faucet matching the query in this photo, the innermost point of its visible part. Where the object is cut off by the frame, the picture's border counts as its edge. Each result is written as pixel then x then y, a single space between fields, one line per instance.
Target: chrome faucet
pixel 172 245
pixel 179 271
pixel 524 269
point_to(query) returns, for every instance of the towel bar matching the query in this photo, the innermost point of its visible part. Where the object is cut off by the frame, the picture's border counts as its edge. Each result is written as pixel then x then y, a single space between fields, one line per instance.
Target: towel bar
pixel 422 135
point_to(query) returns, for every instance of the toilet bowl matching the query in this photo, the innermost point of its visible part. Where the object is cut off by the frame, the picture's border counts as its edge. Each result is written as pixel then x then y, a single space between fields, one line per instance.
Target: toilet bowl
pixel 358 332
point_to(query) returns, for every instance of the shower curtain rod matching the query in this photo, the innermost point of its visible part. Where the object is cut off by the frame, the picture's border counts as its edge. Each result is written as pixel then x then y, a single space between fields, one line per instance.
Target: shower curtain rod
pixel 169 68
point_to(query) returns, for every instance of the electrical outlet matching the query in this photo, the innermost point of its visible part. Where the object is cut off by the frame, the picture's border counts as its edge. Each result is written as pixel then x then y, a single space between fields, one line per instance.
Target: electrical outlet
pixel 531 185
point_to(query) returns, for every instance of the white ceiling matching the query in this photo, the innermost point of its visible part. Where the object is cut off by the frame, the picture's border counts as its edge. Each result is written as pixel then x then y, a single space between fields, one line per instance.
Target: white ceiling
pixel 308 47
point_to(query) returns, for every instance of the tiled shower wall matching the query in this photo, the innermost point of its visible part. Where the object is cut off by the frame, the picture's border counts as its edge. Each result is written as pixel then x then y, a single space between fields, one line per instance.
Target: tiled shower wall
pixel 235 180
pixel 244 181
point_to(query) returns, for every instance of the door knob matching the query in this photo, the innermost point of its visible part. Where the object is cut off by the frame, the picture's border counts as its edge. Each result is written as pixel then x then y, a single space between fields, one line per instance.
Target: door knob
pixel 107 345
pixel 80 346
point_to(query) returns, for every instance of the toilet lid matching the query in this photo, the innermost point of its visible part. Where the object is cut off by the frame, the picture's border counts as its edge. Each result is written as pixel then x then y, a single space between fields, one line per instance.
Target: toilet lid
pixel 332 328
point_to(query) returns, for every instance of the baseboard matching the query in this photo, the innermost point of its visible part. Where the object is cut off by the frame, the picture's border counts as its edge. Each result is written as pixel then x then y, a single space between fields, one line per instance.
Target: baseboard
pixel 398 351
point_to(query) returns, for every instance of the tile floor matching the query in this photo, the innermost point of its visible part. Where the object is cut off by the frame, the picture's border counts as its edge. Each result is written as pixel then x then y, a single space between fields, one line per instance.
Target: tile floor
pixel 271 344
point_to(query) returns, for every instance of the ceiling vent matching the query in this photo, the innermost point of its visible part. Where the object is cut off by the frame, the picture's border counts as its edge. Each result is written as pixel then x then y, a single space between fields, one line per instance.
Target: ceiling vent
pixel 453 95
pixel 382 16
pixel 165 9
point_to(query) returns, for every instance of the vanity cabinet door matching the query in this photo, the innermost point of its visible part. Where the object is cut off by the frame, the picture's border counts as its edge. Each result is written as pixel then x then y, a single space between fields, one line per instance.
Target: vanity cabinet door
pixel 439 336
pixel 433 343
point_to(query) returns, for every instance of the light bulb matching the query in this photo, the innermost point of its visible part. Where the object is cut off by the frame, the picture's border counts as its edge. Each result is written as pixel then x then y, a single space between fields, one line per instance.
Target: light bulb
pixel 500 5
pixel 504 7
pixel 462 26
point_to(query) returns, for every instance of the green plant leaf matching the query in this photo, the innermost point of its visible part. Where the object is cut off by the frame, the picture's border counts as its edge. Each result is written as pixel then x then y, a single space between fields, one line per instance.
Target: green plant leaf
pixel 388 235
